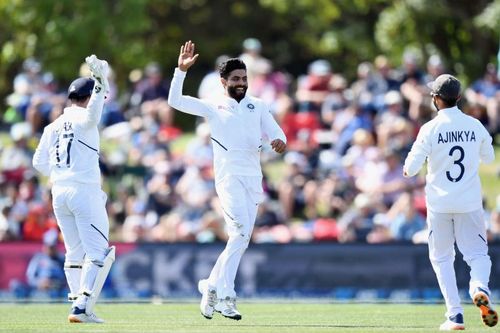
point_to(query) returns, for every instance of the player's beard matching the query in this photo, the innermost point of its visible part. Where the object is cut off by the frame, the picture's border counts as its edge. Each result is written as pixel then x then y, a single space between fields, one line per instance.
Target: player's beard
pixel 233 92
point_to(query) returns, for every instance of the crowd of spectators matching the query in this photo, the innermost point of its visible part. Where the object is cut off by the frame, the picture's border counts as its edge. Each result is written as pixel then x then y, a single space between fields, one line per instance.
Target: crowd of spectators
pixel 341 179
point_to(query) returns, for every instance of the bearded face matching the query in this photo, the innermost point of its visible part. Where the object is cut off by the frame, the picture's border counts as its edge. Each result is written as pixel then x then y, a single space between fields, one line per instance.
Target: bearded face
pixel 236 84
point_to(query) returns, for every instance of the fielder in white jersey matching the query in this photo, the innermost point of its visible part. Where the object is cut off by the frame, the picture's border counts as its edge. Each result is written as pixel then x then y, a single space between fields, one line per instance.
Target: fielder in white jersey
pixel 68 153
pixel 238 125
pixel 454 144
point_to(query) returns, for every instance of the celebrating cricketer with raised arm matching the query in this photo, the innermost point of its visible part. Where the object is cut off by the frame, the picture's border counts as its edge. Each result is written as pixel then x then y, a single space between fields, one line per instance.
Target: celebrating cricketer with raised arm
pixel 68 153
pixel 238 123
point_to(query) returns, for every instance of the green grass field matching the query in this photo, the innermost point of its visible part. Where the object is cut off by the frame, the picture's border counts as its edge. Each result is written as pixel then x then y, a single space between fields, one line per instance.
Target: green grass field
pixel 257 317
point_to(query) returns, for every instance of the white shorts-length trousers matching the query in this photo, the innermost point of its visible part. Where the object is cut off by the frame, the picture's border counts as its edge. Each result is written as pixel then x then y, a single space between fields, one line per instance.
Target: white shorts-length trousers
pixel 468 230
pixel 240 197
pixel 80 210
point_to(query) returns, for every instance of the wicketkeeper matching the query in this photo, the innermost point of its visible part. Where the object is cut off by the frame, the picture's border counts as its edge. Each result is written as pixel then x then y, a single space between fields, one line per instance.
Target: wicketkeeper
pixel 68 153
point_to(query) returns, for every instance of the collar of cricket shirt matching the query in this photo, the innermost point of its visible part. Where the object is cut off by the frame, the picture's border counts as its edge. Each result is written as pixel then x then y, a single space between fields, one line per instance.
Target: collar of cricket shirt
pixel 453 109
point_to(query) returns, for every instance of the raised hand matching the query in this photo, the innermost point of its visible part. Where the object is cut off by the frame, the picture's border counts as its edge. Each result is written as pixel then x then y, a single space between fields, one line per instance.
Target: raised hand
pixel 100 70
pixel 186 56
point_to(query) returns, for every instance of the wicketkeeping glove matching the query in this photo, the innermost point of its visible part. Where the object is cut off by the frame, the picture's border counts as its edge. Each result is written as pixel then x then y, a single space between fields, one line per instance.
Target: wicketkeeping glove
pixel 100 70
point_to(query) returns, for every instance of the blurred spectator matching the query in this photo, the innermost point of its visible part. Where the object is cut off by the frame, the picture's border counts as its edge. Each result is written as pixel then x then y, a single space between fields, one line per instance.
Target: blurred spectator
pixel 335 101
pixel 388 120
pixel 269 85
pixel 45 272
pixel 199 150
pixel 5 233
pixel 348 121
pixel 393 183
pixel 153 86
pixel 411 70
pixel 251 56
pixel 211 228
pixel 486 92
pixel 313 87
pixel 415 89
pixel 45 103
pixel 290 190
pixel 135 226
pixel 16 159
pixel 357 223
pixel 405 220
pixel 38 221
pixel 25 85
pixel 211 84
pixel 196 189
pixel 370 86
pixel 387 73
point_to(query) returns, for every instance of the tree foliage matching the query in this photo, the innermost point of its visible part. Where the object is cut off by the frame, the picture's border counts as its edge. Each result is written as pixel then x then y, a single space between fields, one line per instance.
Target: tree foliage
pixel 130 33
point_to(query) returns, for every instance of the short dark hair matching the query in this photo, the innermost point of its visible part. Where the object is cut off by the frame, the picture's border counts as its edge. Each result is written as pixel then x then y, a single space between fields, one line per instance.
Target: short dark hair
pixel 449 102
pixel 230 65
pixel 78 99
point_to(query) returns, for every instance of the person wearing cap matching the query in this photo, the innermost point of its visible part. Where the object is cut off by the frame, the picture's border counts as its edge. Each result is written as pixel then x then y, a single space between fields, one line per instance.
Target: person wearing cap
pixel 313 87
pixel 68 153
pixel 454 144
pixel 239 124
pixel 252 57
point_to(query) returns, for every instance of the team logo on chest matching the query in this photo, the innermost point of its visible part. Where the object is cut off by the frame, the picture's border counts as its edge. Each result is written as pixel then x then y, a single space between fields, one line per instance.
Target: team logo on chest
pixel 251 107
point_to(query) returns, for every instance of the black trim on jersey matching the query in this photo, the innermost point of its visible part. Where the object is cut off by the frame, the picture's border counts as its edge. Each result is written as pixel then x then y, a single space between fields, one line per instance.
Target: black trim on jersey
pixel 99 231
pixel 430 233
pixel 68 159
pixel 484 240
pixel 86 145
pixel 220 144
pixel 232 218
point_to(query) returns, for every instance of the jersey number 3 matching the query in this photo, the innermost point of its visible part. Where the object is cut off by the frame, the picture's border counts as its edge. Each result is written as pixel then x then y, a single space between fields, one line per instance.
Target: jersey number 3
pixel 457 162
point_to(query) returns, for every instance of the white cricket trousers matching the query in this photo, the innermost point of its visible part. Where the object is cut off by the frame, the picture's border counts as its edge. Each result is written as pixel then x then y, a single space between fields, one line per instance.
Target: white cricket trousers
pixel 80 210
pixel 468 230
pixel 240 197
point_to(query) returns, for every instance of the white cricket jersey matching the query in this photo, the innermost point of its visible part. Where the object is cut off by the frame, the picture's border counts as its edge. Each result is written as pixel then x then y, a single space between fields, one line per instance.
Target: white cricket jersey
pixel 237 129
pixel 453 144
pixel 68 150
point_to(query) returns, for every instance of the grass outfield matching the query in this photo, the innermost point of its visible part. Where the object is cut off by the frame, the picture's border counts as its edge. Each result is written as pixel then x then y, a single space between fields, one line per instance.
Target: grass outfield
pixel 276 317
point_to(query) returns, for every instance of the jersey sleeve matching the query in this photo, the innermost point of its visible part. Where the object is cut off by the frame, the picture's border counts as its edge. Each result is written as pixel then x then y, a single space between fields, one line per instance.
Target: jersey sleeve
pixel 186 104
pixel 270 127
pixel 95 107
pixel 41 158
pixel 486 151
pixel 419 152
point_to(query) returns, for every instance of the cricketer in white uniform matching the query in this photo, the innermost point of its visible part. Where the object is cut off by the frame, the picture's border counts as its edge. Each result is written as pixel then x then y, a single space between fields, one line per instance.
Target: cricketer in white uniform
pixel 238 125
pixel 68 153
pixel 454 144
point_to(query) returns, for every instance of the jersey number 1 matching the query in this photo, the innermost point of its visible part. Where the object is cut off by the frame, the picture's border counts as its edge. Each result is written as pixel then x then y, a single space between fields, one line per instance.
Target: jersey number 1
pixel 457 162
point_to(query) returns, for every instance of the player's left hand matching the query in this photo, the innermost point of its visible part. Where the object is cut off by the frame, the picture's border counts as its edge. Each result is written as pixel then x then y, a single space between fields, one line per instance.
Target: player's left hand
pixel 278 146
